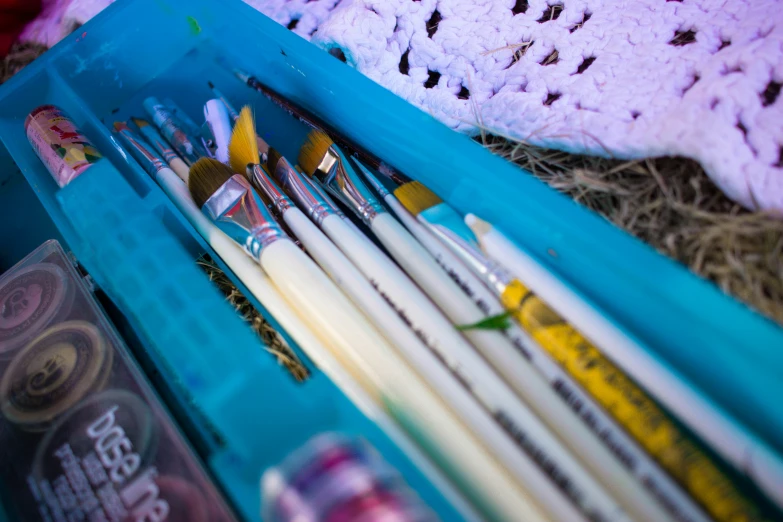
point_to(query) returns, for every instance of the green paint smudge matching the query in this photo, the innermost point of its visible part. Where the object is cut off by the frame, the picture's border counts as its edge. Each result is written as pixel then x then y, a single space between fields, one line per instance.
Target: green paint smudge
pixel 495 322
pixel 194 25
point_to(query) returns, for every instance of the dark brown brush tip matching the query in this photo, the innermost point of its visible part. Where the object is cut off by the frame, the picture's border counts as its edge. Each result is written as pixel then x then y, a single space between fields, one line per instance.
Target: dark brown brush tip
pixel 272 158
pixel 207 175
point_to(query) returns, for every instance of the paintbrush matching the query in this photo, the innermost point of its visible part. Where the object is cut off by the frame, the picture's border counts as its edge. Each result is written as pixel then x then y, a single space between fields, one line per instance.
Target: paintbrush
pixel 229 201
pixel 441 228
pixel 614 384
pixel 442 337
pixel 162 147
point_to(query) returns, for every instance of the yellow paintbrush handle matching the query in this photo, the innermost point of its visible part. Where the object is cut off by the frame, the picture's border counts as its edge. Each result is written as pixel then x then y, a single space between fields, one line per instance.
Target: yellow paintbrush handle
pixel 640 415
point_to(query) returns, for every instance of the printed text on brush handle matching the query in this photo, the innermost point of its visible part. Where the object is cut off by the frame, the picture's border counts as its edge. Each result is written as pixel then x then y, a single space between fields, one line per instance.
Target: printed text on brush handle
pixel 517 433
pixel 627 403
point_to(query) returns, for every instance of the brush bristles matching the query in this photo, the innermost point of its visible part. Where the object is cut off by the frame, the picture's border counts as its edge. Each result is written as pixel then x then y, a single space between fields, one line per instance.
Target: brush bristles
pixel 243 147
pixel 139 122
pixel 416 198
pixel 120 126
pixel 207 175
pixel 313 151
pixel 272 157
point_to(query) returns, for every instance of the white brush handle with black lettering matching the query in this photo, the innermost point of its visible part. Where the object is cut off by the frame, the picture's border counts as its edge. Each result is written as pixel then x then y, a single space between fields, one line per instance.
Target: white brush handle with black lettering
pixel 369 358
pixel 434 329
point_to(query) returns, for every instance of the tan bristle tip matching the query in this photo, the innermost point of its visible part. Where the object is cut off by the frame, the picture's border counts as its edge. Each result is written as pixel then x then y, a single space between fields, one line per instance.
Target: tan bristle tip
pixel 243 147
pixel 206 176
pixel 139 122
pixel 312 152
pixel 119 125
pixel 416 198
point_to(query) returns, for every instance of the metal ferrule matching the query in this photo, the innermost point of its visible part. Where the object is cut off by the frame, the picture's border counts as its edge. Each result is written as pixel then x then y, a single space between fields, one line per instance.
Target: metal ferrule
pixel 186 147
pixel 238 211
pixel 269 189
pixel 343 182
pixel 309 201
pixel 160 145
pixel 467 250
pixel 318 189
pixel 371 179
pixel 146 157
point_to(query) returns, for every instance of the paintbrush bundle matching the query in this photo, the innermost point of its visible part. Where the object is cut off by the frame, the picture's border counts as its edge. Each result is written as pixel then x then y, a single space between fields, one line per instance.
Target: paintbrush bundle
pixel 524 368
pixel 495 383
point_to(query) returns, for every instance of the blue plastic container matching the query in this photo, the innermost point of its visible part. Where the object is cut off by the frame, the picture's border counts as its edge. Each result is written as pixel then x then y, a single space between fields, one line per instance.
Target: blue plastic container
pixel 141 251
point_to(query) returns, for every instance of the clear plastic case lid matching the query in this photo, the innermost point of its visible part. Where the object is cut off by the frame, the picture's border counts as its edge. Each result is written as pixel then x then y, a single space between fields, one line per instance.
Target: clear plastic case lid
pixel 82 434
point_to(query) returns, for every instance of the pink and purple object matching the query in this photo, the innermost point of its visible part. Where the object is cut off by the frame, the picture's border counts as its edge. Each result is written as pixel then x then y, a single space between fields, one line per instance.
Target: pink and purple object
pixel 339 479
pixel 62 148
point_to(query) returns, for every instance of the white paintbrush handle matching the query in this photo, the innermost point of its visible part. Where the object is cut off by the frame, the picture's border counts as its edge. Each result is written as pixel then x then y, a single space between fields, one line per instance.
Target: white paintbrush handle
pixel 448 294
pixel 496 348
pixel 241 264
pixel 391 282
pixel 461 358
pixel 362 293
pixel 368 357
pixel 347 277
pixel 422 268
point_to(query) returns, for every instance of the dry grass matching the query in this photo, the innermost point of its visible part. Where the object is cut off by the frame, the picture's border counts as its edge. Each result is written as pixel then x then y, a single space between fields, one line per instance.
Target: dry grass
pixel 668 202
pixel 273 341
pixel 20 55
pixel 671 204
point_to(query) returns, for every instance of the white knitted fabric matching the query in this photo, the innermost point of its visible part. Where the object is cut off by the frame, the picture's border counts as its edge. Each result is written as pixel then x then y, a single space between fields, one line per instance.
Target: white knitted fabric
pixel 622 78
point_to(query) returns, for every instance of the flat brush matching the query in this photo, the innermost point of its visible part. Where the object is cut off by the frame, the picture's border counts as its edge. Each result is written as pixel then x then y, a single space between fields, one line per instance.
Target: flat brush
pixel 228 200
pixel 441 228
pixel 440 335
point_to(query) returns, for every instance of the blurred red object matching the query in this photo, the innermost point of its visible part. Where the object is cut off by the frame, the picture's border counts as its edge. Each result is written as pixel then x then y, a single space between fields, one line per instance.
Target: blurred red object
pixel 14 15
